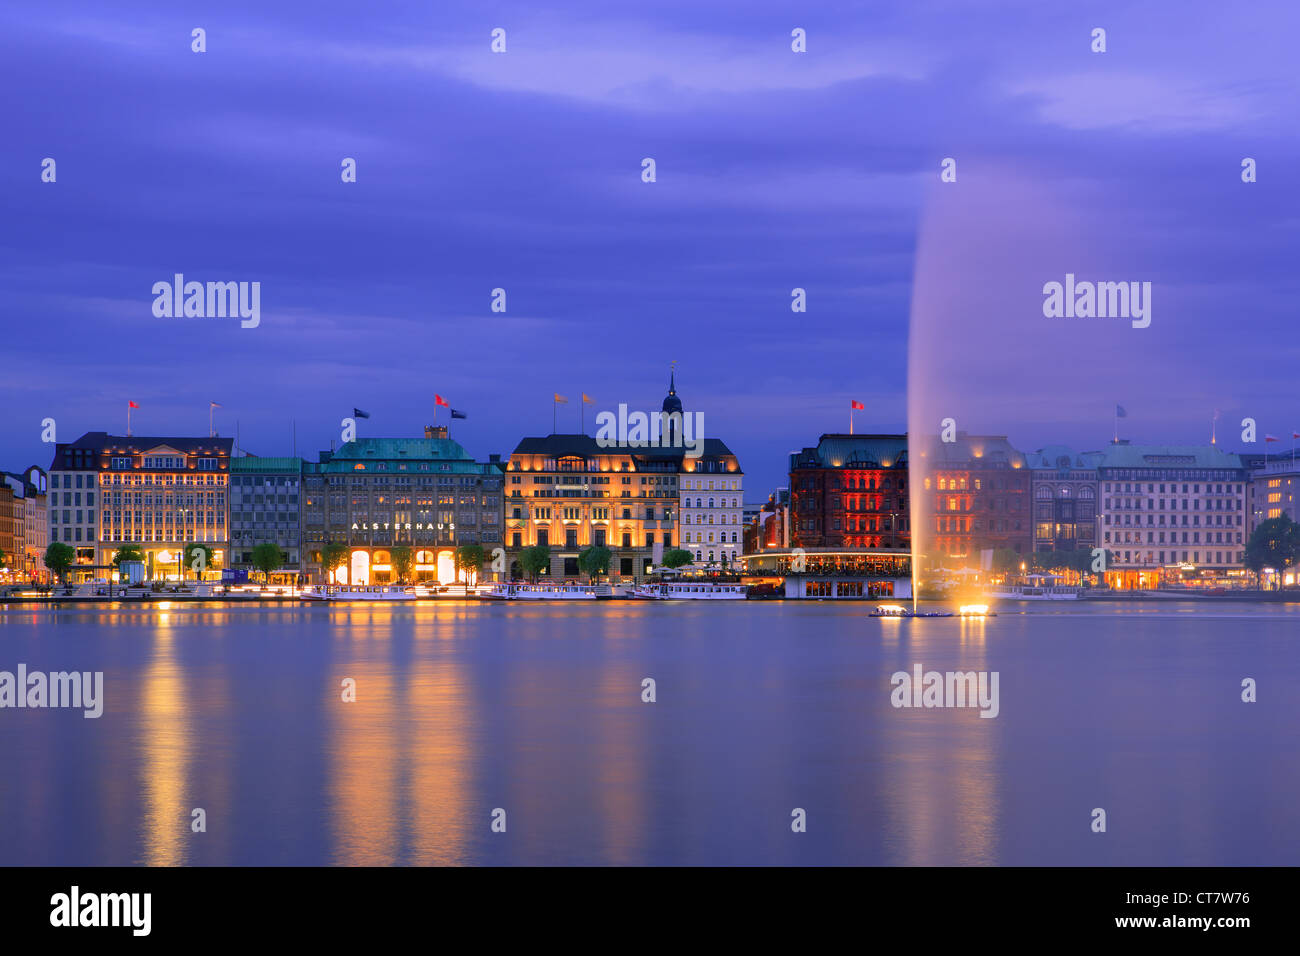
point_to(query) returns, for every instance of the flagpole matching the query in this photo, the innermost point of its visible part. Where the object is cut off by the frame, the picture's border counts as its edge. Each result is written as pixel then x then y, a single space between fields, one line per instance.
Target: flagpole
pixel 128 419
pixel 555 411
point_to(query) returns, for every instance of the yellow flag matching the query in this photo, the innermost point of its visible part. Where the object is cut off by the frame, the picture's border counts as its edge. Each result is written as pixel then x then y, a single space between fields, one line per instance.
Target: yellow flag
pixel 588 399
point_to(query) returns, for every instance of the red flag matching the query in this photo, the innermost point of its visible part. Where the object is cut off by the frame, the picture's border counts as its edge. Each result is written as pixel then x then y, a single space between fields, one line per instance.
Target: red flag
pixel 1269 438
pixel 439 400
pixel 132 405
pixel 1295 434
pixel 853 404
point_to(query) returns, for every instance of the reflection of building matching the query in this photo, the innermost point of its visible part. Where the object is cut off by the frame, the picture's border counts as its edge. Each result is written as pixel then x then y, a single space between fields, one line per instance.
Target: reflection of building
pixel 377 494
pixel 264 501
pixel 1171 504
pixel 836 574
pixel 977 491
pixel 156 493
pixel 1065 498
pixel 71 501
pixel 850 491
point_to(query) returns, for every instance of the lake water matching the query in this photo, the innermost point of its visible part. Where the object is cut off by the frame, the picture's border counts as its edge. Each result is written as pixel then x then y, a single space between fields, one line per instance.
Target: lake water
pixel 761 708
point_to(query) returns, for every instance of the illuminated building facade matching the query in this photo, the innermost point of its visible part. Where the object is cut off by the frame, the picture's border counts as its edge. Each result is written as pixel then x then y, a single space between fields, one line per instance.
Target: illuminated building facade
pixel 834 574
pixel 1064 485
pixel 29 531
pixel 161 494
pixel 569 493
pixel 977 491
pixel 850 491
pixel 1166 505
pixel 158 494
pixel 377 494
pixel 11 530
pixel 711 507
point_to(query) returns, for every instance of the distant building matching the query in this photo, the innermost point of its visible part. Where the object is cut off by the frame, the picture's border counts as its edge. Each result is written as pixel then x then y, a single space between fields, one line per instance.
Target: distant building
pixel 1165 505
pixel 264 508
pixel 30 529
pixel 376 494
pixel 1064 485
pixel 11 528
pixel 850 491
pixel 977 499
pixel 769 526
pixel 1274 488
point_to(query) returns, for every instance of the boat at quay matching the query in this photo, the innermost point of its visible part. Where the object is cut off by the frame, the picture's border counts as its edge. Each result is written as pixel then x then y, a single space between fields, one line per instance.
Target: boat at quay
pixel 358 592
pixel 689 591
pixel 508 591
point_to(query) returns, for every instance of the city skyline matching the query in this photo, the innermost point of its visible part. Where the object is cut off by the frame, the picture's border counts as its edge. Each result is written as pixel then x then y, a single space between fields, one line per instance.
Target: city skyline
pixel 522 171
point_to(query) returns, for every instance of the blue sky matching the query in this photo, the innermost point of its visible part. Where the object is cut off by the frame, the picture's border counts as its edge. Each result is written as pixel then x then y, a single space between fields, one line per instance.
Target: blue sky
pixel 522 171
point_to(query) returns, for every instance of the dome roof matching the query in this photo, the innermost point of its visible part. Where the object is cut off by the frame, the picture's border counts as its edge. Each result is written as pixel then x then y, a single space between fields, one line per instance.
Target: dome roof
pixel 671 402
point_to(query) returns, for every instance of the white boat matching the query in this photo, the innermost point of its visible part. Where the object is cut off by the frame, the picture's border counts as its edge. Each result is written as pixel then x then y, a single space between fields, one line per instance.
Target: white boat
pixel 509 591
pixel 358 592
pixel 689 591
pixel 1035 592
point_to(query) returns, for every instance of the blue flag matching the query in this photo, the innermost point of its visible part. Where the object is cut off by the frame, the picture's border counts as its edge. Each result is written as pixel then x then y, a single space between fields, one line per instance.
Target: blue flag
pixel 358 413
pixel 1119 412
pixel 456 413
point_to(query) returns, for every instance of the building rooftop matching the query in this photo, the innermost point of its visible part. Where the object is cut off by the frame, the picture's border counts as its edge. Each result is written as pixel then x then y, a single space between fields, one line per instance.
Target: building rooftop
pixel 254 464
pixel 1124 455
pixel 845 451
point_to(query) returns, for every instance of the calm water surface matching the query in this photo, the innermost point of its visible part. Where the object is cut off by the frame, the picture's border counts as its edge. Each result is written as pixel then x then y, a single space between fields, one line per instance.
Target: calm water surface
pixel 762 707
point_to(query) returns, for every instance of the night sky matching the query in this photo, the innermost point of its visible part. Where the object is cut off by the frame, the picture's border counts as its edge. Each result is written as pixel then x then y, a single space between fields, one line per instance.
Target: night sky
pixel 522 170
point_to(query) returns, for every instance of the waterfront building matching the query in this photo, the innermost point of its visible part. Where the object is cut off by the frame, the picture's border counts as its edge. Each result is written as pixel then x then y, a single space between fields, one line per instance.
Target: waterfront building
pixel 1171 509
pixel 569 493
pixel 159 494
pixel 1064 488
pixel 29 530
pixel 711 505
pixel 833 574
pixel 265 508
pixel 977 500
pixel 11 528
pixel 770 527
pixel 71 502
pixel 849 492
pixel 376 494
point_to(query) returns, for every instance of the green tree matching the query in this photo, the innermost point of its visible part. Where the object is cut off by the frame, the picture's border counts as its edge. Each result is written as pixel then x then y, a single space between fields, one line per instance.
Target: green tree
pixel 403 559
pixel 676 558
pixel 332 556
pixel 594 561
pixel 1275 543
pixel 470 557
pixel 534 559
pixel 127 552
pixel 268 557
pixel 59 558
pixel 194 552
pixel 3 557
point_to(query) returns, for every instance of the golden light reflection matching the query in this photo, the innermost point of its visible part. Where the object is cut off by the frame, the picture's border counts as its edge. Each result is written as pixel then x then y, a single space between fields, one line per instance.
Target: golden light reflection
pixel 165 741
pixel 363 759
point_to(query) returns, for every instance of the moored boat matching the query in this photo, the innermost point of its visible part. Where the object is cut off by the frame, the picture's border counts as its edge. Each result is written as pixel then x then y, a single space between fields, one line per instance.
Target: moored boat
pixel 689 591
pixel 358 592
pixel 510 591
